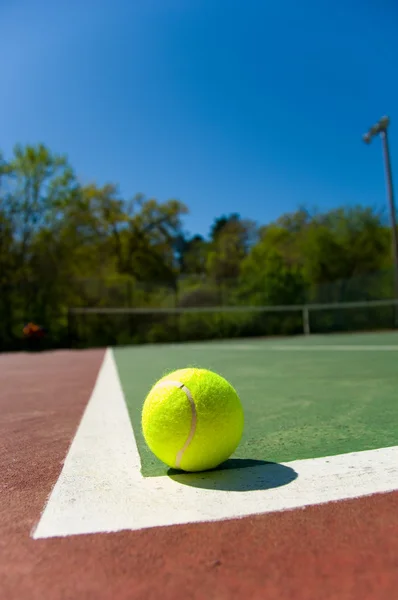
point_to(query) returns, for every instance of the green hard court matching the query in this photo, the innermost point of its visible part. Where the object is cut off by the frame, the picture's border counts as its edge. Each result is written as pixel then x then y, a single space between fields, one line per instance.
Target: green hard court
pixel 302 397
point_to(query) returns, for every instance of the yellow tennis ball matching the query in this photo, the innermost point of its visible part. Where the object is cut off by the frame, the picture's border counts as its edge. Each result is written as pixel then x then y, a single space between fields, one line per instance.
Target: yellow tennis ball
pixel 192 419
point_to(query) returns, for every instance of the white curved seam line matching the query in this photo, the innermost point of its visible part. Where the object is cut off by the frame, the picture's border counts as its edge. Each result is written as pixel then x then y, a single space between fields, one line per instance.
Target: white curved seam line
pixel 188 394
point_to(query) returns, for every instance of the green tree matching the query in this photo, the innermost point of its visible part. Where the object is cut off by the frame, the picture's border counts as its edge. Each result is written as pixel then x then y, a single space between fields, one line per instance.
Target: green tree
pixel 191 254
pixel 345 242
pixel 231 240
pixel 269 276
pixel 37 187
pixel 322 253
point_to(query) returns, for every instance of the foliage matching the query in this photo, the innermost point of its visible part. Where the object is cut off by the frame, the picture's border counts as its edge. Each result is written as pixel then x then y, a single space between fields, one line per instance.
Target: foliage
pixel 64 244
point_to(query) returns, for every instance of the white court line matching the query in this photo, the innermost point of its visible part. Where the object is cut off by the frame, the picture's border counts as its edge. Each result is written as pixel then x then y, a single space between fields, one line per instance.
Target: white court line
pixel 301 348
pixel 335 348
pixel 100 488
pixel 213 346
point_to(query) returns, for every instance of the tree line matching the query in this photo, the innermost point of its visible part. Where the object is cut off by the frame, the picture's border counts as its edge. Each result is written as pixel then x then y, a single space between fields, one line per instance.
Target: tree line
pixel 64 244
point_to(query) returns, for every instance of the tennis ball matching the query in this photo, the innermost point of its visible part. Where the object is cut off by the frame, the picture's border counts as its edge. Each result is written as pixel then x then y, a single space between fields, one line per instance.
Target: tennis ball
pixel 192 419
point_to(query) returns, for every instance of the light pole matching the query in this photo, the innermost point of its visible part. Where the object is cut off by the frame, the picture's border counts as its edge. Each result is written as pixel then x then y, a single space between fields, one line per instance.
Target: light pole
pixel 381 128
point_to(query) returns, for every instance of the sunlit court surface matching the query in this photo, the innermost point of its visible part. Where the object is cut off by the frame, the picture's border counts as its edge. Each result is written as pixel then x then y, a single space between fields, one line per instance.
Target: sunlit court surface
pixel 320 446
pixel 303 398
pixel 319 457
pixel 320 426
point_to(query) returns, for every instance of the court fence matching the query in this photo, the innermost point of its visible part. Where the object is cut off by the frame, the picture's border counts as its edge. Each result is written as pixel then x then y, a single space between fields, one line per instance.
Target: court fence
pixel 190 308
pixel 123 326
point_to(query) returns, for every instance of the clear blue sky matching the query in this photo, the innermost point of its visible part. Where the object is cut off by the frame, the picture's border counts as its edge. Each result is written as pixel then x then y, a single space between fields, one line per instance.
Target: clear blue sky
pixel 252 106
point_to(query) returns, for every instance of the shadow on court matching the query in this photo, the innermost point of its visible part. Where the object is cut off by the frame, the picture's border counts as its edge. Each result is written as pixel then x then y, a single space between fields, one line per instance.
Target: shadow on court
pixel 238 475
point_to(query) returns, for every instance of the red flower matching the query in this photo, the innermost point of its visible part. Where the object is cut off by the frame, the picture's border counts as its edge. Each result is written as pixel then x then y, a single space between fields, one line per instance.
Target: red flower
pixel 33 330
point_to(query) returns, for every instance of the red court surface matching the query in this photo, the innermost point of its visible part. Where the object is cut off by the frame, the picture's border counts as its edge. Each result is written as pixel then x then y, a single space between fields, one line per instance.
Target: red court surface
pixel 345 550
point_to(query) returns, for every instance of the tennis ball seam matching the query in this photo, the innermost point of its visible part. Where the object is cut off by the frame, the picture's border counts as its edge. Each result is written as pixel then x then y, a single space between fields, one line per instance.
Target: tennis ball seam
pixel 194 416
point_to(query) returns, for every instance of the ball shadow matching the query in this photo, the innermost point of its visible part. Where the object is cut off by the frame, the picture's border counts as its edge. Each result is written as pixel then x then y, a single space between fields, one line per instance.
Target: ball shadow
pixel 238 475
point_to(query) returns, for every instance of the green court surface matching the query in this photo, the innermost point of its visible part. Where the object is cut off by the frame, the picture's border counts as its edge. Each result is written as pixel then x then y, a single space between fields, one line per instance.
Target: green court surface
pixel 302 397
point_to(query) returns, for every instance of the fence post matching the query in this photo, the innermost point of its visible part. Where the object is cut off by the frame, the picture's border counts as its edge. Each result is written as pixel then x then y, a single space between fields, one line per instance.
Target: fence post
pixel 306 320
pixel 69 328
